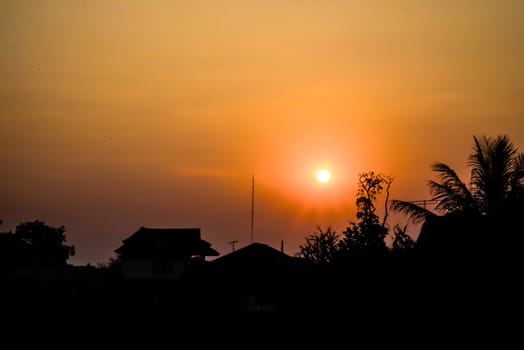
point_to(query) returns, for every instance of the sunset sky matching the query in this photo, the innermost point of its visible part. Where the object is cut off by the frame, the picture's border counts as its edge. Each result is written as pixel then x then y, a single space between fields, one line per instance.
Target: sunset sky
pixel 121 114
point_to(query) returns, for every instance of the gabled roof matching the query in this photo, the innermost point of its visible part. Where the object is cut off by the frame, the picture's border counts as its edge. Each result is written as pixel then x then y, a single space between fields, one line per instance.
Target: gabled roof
pixel 254 261
pixel 254 254
pixel 166 242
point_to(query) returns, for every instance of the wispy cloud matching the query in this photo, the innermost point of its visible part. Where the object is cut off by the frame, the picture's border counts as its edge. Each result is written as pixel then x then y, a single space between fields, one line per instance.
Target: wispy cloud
pixel 200 171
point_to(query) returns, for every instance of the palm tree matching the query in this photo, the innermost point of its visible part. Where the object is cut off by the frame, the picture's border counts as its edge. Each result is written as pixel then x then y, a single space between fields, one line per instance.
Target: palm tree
pixel 497 177
pixel 495 191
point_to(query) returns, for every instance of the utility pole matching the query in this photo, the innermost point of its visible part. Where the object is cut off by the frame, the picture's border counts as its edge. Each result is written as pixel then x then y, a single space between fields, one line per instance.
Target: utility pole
pixel 252 206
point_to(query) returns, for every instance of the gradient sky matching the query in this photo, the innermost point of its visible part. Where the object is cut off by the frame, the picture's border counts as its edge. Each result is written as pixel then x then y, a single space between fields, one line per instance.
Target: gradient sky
pixel 121 114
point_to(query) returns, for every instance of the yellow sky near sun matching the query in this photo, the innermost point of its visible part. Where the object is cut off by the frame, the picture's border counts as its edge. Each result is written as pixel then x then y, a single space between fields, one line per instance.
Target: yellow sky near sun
pixel 116 94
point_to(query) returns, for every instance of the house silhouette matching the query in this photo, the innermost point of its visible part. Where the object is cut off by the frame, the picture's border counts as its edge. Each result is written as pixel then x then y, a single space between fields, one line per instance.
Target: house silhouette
pixel 162 253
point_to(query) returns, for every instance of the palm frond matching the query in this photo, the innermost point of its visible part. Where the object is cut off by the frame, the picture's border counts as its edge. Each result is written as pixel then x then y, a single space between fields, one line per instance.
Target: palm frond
pixel 448 199
pixel 451 193
pixel 495 172
pixel 414 212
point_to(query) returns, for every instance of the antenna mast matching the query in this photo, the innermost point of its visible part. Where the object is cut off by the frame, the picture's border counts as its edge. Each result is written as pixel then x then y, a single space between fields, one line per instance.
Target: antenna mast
pixel 252 206
pixel 232 244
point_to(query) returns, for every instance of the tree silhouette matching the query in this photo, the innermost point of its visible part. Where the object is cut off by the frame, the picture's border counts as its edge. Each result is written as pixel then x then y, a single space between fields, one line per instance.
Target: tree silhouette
pixel 320 247
pixel 496 187
pixel 494 195
pixel 43 245
pixel 366 237
pixel 402 242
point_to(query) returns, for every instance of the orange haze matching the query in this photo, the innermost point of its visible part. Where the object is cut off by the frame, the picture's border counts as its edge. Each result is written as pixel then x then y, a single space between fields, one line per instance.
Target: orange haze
pixel 116 115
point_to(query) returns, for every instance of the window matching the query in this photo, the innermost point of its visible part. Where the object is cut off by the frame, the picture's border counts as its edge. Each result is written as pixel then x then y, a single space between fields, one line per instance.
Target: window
pixel 163 266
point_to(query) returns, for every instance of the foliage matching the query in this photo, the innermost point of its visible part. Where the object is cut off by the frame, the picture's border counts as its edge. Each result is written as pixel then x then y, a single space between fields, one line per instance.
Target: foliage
pixel 36 244
pixel 401 240
pixel 367 237
pixel 320 247
pixel 496 187
pixel 480 216
pixel 113 262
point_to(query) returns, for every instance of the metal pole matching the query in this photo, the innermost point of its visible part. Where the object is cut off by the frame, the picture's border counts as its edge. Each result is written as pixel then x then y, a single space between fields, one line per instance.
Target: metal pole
pixel 252 206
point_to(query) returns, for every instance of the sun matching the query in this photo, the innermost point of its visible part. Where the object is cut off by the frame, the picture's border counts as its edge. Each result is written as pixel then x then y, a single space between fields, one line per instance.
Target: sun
pixel 323 175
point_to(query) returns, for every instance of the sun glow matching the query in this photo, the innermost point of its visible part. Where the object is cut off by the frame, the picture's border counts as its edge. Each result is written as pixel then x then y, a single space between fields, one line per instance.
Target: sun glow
pixel 323 175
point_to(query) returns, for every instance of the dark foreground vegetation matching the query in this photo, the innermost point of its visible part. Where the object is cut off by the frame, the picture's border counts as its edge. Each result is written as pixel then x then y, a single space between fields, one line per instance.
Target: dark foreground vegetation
pixel 397 301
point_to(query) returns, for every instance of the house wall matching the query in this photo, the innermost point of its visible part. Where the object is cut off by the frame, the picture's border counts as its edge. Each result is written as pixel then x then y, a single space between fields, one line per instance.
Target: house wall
pixel 137 268
pixel 149 268
pixel 179 267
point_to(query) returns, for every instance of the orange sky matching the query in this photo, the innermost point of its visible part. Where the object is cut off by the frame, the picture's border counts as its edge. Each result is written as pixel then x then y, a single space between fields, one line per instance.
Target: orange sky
pixel 121 114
